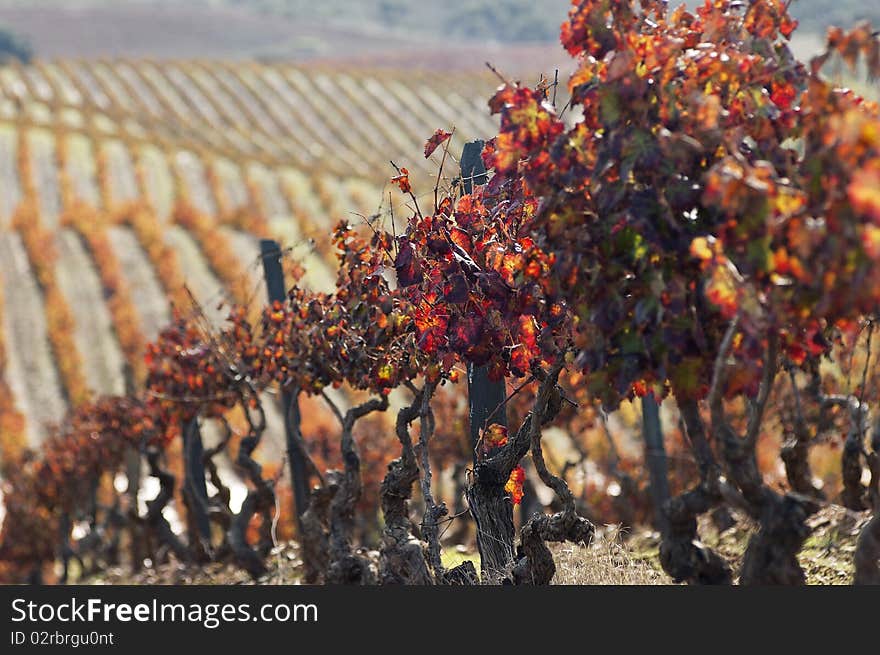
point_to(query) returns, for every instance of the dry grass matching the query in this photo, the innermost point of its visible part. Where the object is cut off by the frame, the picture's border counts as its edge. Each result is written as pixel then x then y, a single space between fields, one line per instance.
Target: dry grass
pixel 609 560
pixel 606 561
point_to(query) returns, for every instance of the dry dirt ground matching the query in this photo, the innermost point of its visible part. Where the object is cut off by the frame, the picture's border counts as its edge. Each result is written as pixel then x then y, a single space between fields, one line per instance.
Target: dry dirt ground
pixel 612 558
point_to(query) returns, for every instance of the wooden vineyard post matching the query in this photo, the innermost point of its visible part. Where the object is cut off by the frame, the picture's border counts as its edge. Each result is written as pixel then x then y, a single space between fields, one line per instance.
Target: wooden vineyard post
pixel 485 397
pixel 655 455
pixel 270 253
pixel 195 487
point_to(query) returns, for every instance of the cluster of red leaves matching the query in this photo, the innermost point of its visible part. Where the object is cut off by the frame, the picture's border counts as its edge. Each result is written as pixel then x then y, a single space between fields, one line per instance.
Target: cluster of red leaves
pixel 191 372
pixel 361 334
pixel 707 168
pixel 478 282
pixel 402 179
pixel 59 479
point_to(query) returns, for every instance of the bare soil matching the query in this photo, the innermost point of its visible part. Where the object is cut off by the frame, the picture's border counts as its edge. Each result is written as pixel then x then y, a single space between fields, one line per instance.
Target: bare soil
pixel 613 558
pixel 95 338
pixel 31 371
pixel 146 292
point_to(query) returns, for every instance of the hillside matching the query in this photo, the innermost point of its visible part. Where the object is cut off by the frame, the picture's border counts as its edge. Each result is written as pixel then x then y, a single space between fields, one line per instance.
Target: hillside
pixel 95 28
pixel 123 180
pixel 291 27
pixel 507 20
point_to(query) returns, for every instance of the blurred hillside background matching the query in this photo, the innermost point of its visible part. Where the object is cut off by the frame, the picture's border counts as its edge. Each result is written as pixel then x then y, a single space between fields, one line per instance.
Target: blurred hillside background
pixel 397 32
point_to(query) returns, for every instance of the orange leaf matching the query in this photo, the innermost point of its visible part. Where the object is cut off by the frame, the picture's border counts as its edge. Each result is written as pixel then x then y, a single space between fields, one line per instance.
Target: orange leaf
pixel 402 181
pixel 514 485
pixel 864 193
pixel 494 436
pixel 436 139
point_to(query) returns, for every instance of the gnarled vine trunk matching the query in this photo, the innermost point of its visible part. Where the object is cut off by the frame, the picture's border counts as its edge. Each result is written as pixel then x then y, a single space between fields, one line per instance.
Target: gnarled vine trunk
pixel 867 556
pixel 345 565
pixel 155 519
pixel 493 511
pixel 536 565
pixel 795 452
pixel 402 556
pixel 771 555
pixel 682 555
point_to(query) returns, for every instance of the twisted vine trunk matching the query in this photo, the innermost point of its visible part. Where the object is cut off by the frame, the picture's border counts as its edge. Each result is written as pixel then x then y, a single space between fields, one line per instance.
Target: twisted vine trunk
pixel 260 499
pixel 315 519
pixel 218 504
pixel 402 556
pixel 795 456
pixel 314 541
pixel 347 566
pixel 433 511
pixel 853 495
pixel 536 566
pixel 771 555
pixel 682 555
pixel 492 510
pixel 867 556
pixel 405 559
pixel 155 520
pixel 795 452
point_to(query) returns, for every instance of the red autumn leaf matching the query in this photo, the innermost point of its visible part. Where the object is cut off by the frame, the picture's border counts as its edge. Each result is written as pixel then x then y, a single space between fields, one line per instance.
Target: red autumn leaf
pixel 402 181
pixel 494 436
pixel 519 361
pixel 528 332
pixel 787 25
pixel 796 353
pixel 640 388
pixel 407 266
pixel 430 327
pixel 514 485
pixel 436 139
pixel 465 332
pixel 782 95
pixel 456 291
